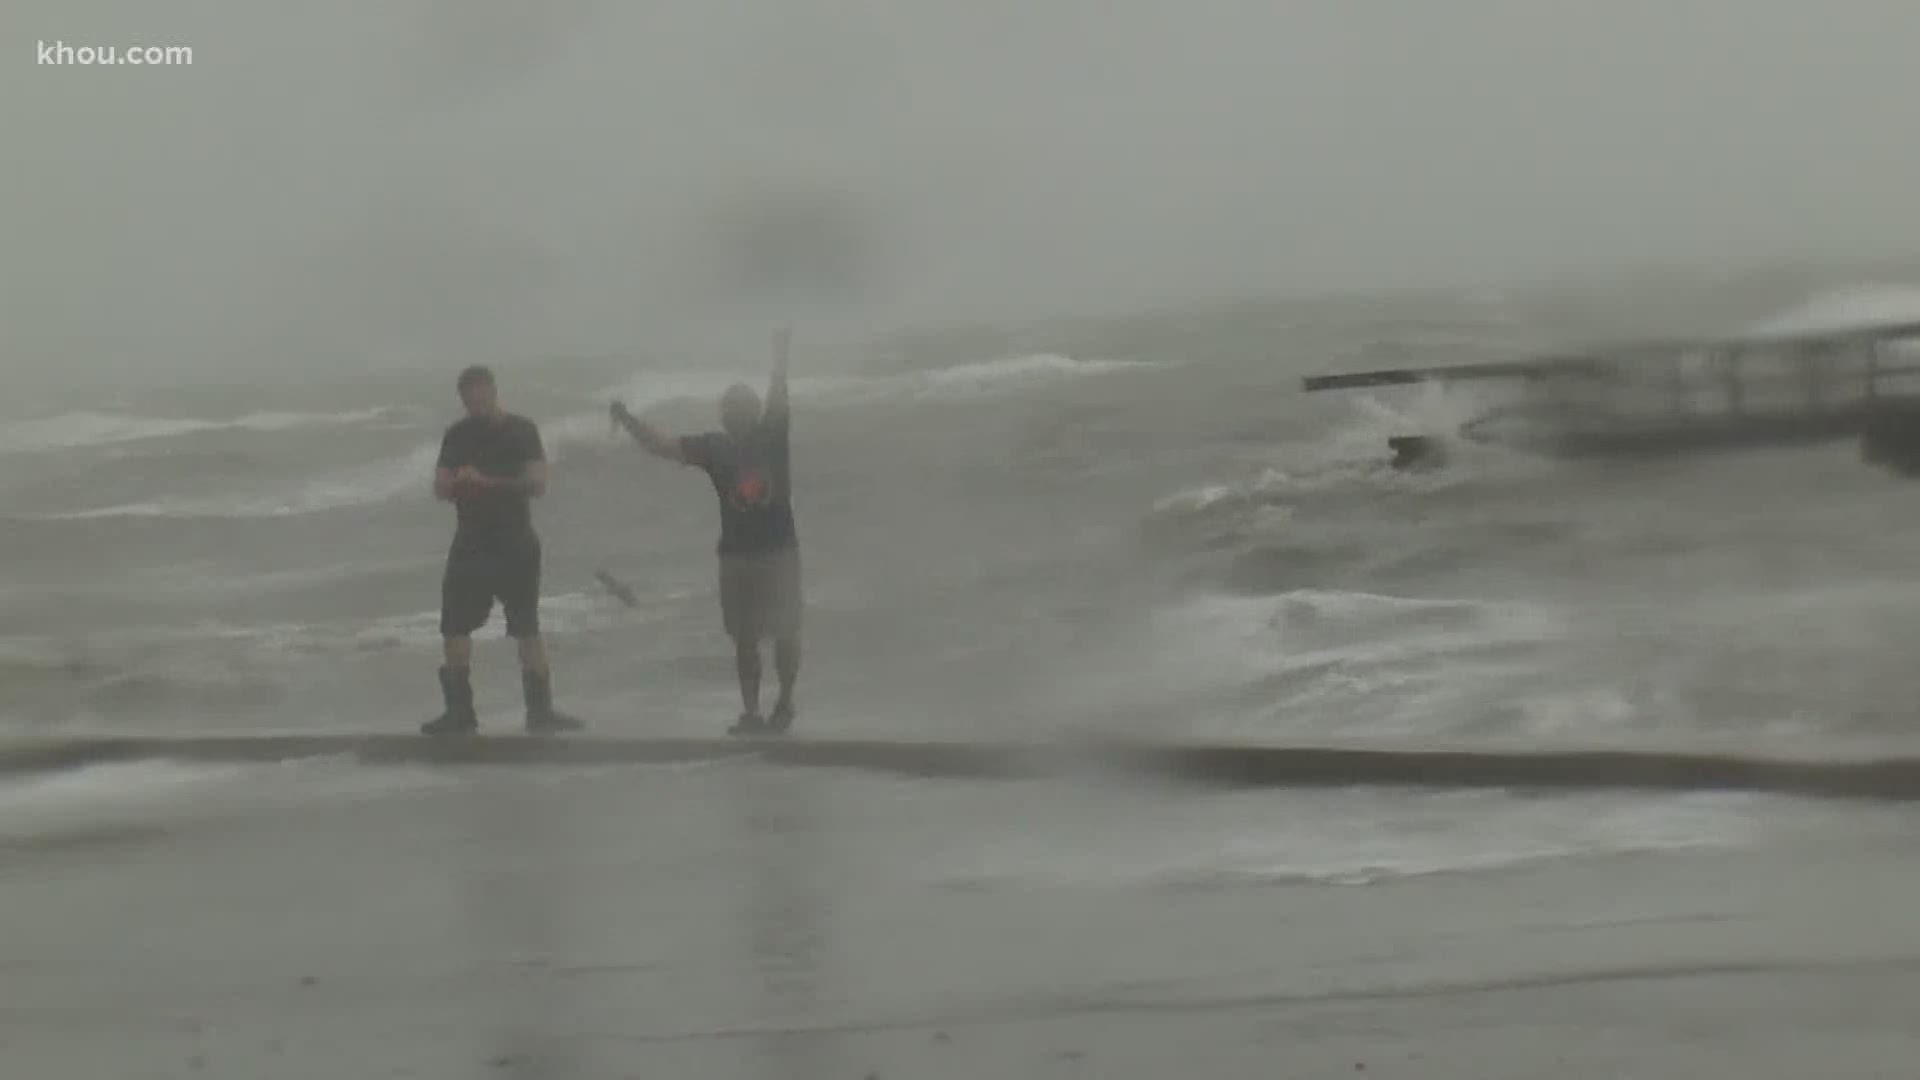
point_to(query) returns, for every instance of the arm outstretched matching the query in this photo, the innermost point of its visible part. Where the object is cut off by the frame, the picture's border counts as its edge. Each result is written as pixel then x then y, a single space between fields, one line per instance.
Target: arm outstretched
pixel 651 439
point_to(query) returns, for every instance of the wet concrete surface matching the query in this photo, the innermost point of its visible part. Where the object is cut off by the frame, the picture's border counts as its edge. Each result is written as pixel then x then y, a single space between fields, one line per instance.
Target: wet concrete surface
pixel 737 920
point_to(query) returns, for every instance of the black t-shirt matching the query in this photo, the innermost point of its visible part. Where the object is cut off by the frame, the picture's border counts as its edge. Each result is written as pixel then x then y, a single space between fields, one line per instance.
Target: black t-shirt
pixel 753 482
pixel 496 446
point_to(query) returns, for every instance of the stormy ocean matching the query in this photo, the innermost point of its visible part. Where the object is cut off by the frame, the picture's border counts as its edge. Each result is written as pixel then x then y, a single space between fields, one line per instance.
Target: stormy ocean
pixel 1138 526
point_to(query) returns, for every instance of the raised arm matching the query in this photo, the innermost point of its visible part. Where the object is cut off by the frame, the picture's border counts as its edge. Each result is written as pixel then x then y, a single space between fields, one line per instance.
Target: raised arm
pixel 777 389
pixel 651 439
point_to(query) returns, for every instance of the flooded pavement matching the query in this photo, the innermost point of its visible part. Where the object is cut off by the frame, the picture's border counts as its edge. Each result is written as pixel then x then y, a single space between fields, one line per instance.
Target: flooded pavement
pixel 739 920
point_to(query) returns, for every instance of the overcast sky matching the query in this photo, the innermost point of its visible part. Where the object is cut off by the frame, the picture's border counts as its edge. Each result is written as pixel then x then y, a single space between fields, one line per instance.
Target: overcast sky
pixel 412 179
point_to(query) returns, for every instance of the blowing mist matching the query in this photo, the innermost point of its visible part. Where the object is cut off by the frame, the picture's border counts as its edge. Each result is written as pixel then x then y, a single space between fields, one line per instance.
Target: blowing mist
pixel 1153 719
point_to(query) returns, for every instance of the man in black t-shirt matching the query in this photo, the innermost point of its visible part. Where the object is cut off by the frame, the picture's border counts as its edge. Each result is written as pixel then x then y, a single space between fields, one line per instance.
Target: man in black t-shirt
pixel 491 466
pixel 747 463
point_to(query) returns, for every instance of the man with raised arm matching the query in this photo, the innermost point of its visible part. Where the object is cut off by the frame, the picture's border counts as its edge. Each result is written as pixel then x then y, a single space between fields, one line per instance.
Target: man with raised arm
pixel 492 465
pixel 747 463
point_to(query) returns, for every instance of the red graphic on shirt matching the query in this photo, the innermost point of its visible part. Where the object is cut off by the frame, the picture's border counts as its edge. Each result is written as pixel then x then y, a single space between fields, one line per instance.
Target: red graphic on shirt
pixel 749 489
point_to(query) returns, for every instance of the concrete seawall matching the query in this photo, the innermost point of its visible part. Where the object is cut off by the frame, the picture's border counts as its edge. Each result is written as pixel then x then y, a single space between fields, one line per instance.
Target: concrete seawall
pixel 1892 777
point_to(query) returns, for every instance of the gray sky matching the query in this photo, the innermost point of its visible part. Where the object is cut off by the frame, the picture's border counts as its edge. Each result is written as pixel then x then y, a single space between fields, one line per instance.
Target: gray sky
pixel 411 179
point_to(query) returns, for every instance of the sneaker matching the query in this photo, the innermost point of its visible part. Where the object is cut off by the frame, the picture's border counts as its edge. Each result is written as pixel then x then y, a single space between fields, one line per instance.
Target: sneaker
pixel 748 724
pixel 781 719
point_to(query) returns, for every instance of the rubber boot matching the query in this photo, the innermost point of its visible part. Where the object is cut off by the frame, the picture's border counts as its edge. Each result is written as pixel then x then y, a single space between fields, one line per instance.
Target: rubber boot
pixel 458 719
pixel 542 718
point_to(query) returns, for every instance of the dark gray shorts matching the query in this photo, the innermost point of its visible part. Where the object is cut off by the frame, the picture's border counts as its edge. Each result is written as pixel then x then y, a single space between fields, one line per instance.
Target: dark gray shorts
pixel 760 594
pixel 476 577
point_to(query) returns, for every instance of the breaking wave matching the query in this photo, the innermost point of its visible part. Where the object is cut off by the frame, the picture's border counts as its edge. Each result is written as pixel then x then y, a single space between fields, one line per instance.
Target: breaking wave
pixel 86 428
pixel 1860 305
pixel 129 800
pixel 382 481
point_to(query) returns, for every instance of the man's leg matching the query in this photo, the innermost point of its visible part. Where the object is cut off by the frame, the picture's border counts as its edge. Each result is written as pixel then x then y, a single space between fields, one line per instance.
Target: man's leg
pixel 783 621
pixel 737 616
pixel 464 605
pixel 746 665
pixel 536 686
pixel 533 652
pixel 520 597
pixel 457 650
pixel 786 665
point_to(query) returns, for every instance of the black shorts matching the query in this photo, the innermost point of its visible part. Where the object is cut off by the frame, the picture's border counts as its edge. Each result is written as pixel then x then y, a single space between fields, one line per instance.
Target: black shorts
pixel 760 594
pixel 477 575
